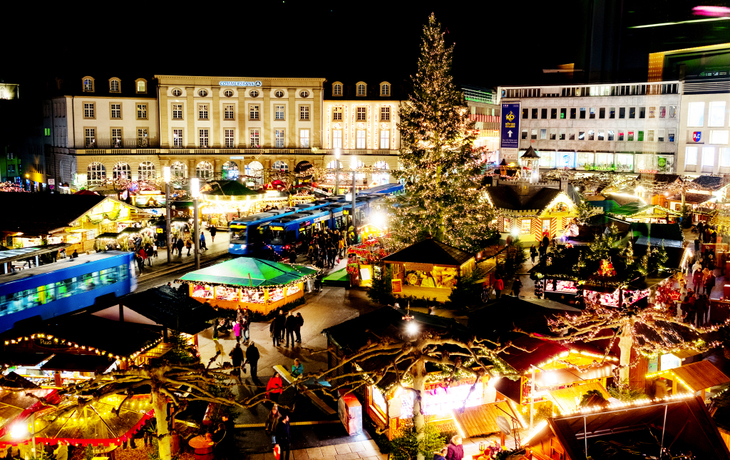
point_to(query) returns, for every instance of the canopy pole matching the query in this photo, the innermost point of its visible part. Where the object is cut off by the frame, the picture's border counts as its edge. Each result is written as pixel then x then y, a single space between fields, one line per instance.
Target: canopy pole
pixel 664 427
pixel 585 436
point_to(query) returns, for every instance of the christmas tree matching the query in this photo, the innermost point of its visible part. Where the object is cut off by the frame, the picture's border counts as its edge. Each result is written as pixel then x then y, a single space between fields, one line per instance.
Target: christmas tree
pixel 440 168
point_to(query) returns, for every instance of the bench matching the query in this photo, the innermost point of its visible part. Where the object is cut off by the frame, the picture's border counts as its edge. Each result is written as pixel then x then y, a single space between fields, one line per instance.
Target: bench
pixel 288 378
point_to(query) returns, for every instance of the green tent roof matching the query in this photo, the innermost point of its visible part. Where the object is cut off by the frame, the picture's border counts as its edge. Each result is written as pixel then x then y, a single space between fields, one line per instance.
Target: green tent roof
pixel 229 188
pixel 236 272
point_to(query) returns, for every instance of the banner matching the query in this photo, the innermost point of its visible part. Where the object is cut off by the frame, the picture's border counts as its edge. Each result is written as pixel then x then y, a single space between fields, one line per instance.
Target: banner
pixel 510 129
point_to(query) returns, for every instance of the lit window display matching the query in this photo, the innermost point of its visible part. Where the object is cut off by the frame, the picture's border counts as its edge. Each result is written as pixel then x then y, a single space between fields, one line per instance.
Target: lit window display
pixel 584 160
pixel 202 291
pixel 565 160
pixel 625 162
pixel 226 293
pixel 276 294
pixel 442 400
pixel 547 159
pixel 604 161
pixel 646 163
pixel 561 286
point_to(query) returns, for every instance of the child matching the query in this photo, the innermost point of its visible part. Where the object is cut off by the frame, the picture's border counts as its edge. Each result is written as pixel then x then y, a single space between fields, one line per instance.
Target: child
pixel 440 455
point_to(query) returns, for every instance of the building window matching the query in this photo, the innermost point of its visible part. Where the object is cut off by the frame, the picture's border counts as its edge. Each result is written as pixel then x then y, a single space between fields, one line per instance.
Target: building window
pixel 630 136
pixel 533 134
pixel 672 111
pixel 146 171
pixel 563 113
pixel 304 94
pixel 640 136
pixel 337 89
pixel 610 134
pixel 202 93
pixel 642 112
pixel 141 111
pixel 632 112
pixel 142 140
pixel 621 135
pixel 304 113
pixel 696 114
pixel 725 157
pixel 360 141
pixel 114 85
pixel 543 133
pixel 255 138
pixel 279 93
pixel 204 170
pixel 228 93
pixel 534 114
pixel 253 93
pixel 561 135
pixel 591 135
pixel 708 158
pixel 543 113
pixel 385 139
pixel 177 137
pixel 255 173
pixel 230 138
pixel 650 135
pixel 89 110
pixel 230 170
pixel 253 112
pixel 581 135
pixel 525 226
pixel 716 116
pixel 524 134
pixel 612 112
pixel 177 111
pixel 279 138
pixel 116 111
pixel 361 89
pixel 203 137
pixel 141 85
pixel 602 112
pixel 572 113
pixel 719 136
pixel 662 112
pixel 385 114
pixel 337 114
pixel 280 166
pixel 87 84
pixel 279 112
pixel 304 138
pixel 116 137
pixel 660 135
pixel 95 174
pixel 600 136
pixel 90 137
pixel 337 139
pixel 525 114
pixel 362 114
pixel 385 89
pixel 592 113
pixel 652 112
pixel 178 170
pixel 228 112
pixel 202 111
pixel 177 92
pixel 122 171
pixel 622 112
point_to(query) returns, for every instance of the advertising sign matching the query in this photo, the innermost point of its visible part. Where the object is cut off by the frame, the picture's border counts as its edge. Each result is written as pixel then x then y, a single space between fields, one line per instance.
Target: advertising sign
pixel 510 129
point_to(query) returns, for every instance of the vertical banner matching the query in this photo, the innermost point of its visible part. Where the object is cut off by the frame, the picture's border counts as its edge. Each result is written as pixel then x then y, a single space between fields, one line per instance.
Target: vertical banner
pixel 510 132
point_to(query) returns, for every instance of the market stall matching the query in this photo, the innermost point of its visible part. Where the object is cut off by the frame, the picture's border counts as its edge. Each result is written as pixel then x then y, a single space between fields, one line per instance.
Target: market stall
pixel 428 269
pixel 261 285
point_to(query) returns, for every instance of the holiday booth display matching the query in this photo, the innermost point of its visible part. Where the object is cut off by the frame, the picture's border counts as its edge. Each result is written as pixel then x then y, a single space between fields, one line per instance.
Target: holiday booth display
pixel 428 269
pixel 261 285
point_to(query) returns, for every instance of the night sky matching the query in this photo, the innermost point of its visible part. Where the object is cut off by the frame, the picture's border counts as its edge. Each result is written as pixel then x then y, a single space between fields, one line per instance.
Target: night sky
pixel 496 42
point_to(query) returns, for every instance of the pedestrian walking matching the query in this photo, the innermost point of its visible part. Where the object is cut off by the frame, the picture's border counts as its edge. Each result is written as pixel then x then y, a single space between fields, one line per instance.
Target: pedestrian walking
pixel 298 327
pixel 274 387
pixel 533 253
pixel 237 359
pixel 180 244
pixel 189 245
pixel 498 286
pixel 280 325
pixel 289 326
pixel 203 246
pixel 516 286
pixel 252 358
pixel 282 437
pixel 272 422
pixel 237 329
pixel 213 232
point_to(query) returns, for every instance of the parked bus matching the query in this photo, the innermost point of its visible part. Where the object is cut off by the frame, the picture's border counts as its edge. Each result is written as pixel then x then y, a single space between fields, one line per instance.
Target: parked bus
pixel 63 287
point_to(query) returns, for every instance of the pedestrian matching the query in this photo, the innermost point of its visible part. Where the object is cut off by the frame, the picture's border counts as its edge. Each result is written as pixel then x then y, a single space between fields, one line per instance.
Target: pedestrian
pixel 213 232
pixel 225 446
pixel 289 326
pixel 237 359
pixel 202 242
pixel 282 437
pixel 297 368
pixel 246 324
pixel 189 245
pixel 441 455
pixel 533 253
pixel 274 387
pixel 252 358
pixel 455 451
pixel 709 284
pixel 272 421
pixel 516 286
pixel 498 286
pixel 280 325
pixel 237 329
pixel 298 327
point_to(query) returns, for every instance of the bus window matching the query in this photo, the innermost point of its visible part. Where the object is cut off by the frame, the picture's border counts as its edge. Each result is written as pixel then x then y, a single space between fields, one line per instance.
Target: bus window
pixel 238 234
pixel 278 236
pixel 123 272
pixel 291 237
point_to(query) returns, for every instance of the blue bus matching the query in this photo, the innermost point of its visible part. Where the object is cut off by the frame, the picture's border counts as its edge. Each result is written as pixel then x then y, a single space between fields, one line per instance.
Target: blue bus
pixel 63 287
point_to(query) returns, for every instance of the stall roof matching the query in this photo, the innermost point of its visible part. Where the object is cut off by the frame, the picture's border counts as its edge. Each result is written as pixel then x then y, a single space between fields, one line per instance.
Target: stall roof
pixel 567 399
pixel 430 251
pixel 507 197
pixel 173 310
pixel 249 271
pixel 78 363
pixel 657 231
pixel 482 419
pixel 525 352
pixel 11 255
pixel 699 375
pixel 566 376
pixel 686 423
pixel 709 182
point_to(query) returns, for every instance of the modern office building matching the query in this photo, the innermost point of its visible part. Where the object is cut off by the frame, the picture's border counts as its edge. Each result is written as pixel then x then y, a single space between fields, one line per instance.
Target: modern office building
pixel 614 127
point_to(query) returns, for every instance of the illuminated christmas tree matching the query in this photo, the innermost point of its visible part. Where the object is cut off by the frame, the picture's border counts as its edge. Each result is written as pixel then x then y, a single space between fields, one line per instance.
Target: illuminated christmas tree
pixel 441 169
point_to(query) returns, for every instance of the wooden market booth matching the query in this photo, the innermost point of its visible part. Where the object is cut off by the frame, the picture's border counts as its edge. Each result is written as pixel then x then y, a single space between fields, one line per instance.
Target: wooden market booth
pixel 428 269
pixel 261 285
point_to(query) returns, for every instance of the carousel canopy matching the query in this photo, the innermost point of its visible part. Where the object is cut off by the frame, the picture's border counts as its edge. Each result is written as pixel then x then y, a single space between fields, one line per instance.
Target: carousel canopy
pixel 430 251
pixel 228 188
pixel 248 271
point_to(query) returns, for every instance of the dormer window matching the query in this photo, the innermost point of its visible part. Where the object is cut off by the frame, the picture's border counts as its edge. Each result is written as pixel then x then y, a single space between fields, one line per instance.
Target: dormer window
pixel 88 84
pixel 177 92
pixel 337 89
pixel 385 89
pixel 362 89
pixel 114 85
pixel 141 86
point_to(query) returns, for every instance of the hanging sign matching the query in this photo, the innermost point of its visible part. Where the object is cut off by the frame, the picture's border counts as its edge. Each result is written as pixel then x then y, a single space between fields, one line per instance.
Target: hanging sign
pixel 510 129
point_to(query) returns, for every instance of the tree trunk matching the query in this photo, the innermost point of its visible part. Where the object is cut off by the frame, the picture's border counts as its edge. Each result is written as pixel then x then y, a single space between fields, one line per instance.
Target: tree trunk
pixel 624 345
pixel 419 385
pixel 159 404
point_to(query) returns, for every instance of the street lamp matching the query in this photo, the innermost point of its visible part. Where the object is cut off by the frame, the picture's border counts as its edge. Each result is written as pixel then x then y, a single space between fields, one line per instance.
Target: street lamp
pixel 195 193
pixel 166 178
pixel 353 167
pixel 337 171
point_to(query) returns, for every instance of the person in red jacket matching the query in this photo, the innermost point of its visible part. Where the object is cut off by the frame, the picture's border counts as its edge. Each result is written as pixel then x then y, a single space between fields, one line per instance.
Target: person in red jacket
pixel 274 387
pixel 498 286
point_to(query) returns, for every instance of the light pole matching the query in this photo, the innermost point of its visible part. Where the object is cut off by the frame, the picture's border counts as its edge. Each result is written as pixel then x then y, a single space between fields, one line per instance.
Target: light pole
pixel 337 171
pixel 166 177
pixel 195 193
pixel 353 167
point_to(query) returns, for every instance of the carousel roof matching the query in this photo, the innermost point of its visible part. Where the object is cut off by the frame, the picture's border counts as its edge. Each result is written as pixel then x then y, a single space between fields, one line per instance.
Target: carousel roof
pixel 229 188
pixel 249 271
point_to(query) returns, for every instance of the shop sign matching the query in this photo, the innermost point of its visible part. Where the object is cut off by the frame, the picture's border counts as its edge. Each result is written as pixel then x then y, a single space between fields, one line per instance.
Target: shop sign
pixel 510 129
pixel 240 83
pixel 419 267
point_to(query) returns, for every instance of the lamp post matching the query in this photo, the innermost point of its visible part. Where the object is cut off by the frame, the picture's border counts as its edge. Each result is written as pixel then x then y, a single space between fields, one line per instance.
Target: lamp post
pixel 195 193
pixel 337 171
pixel 353 167
pixel 166 177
